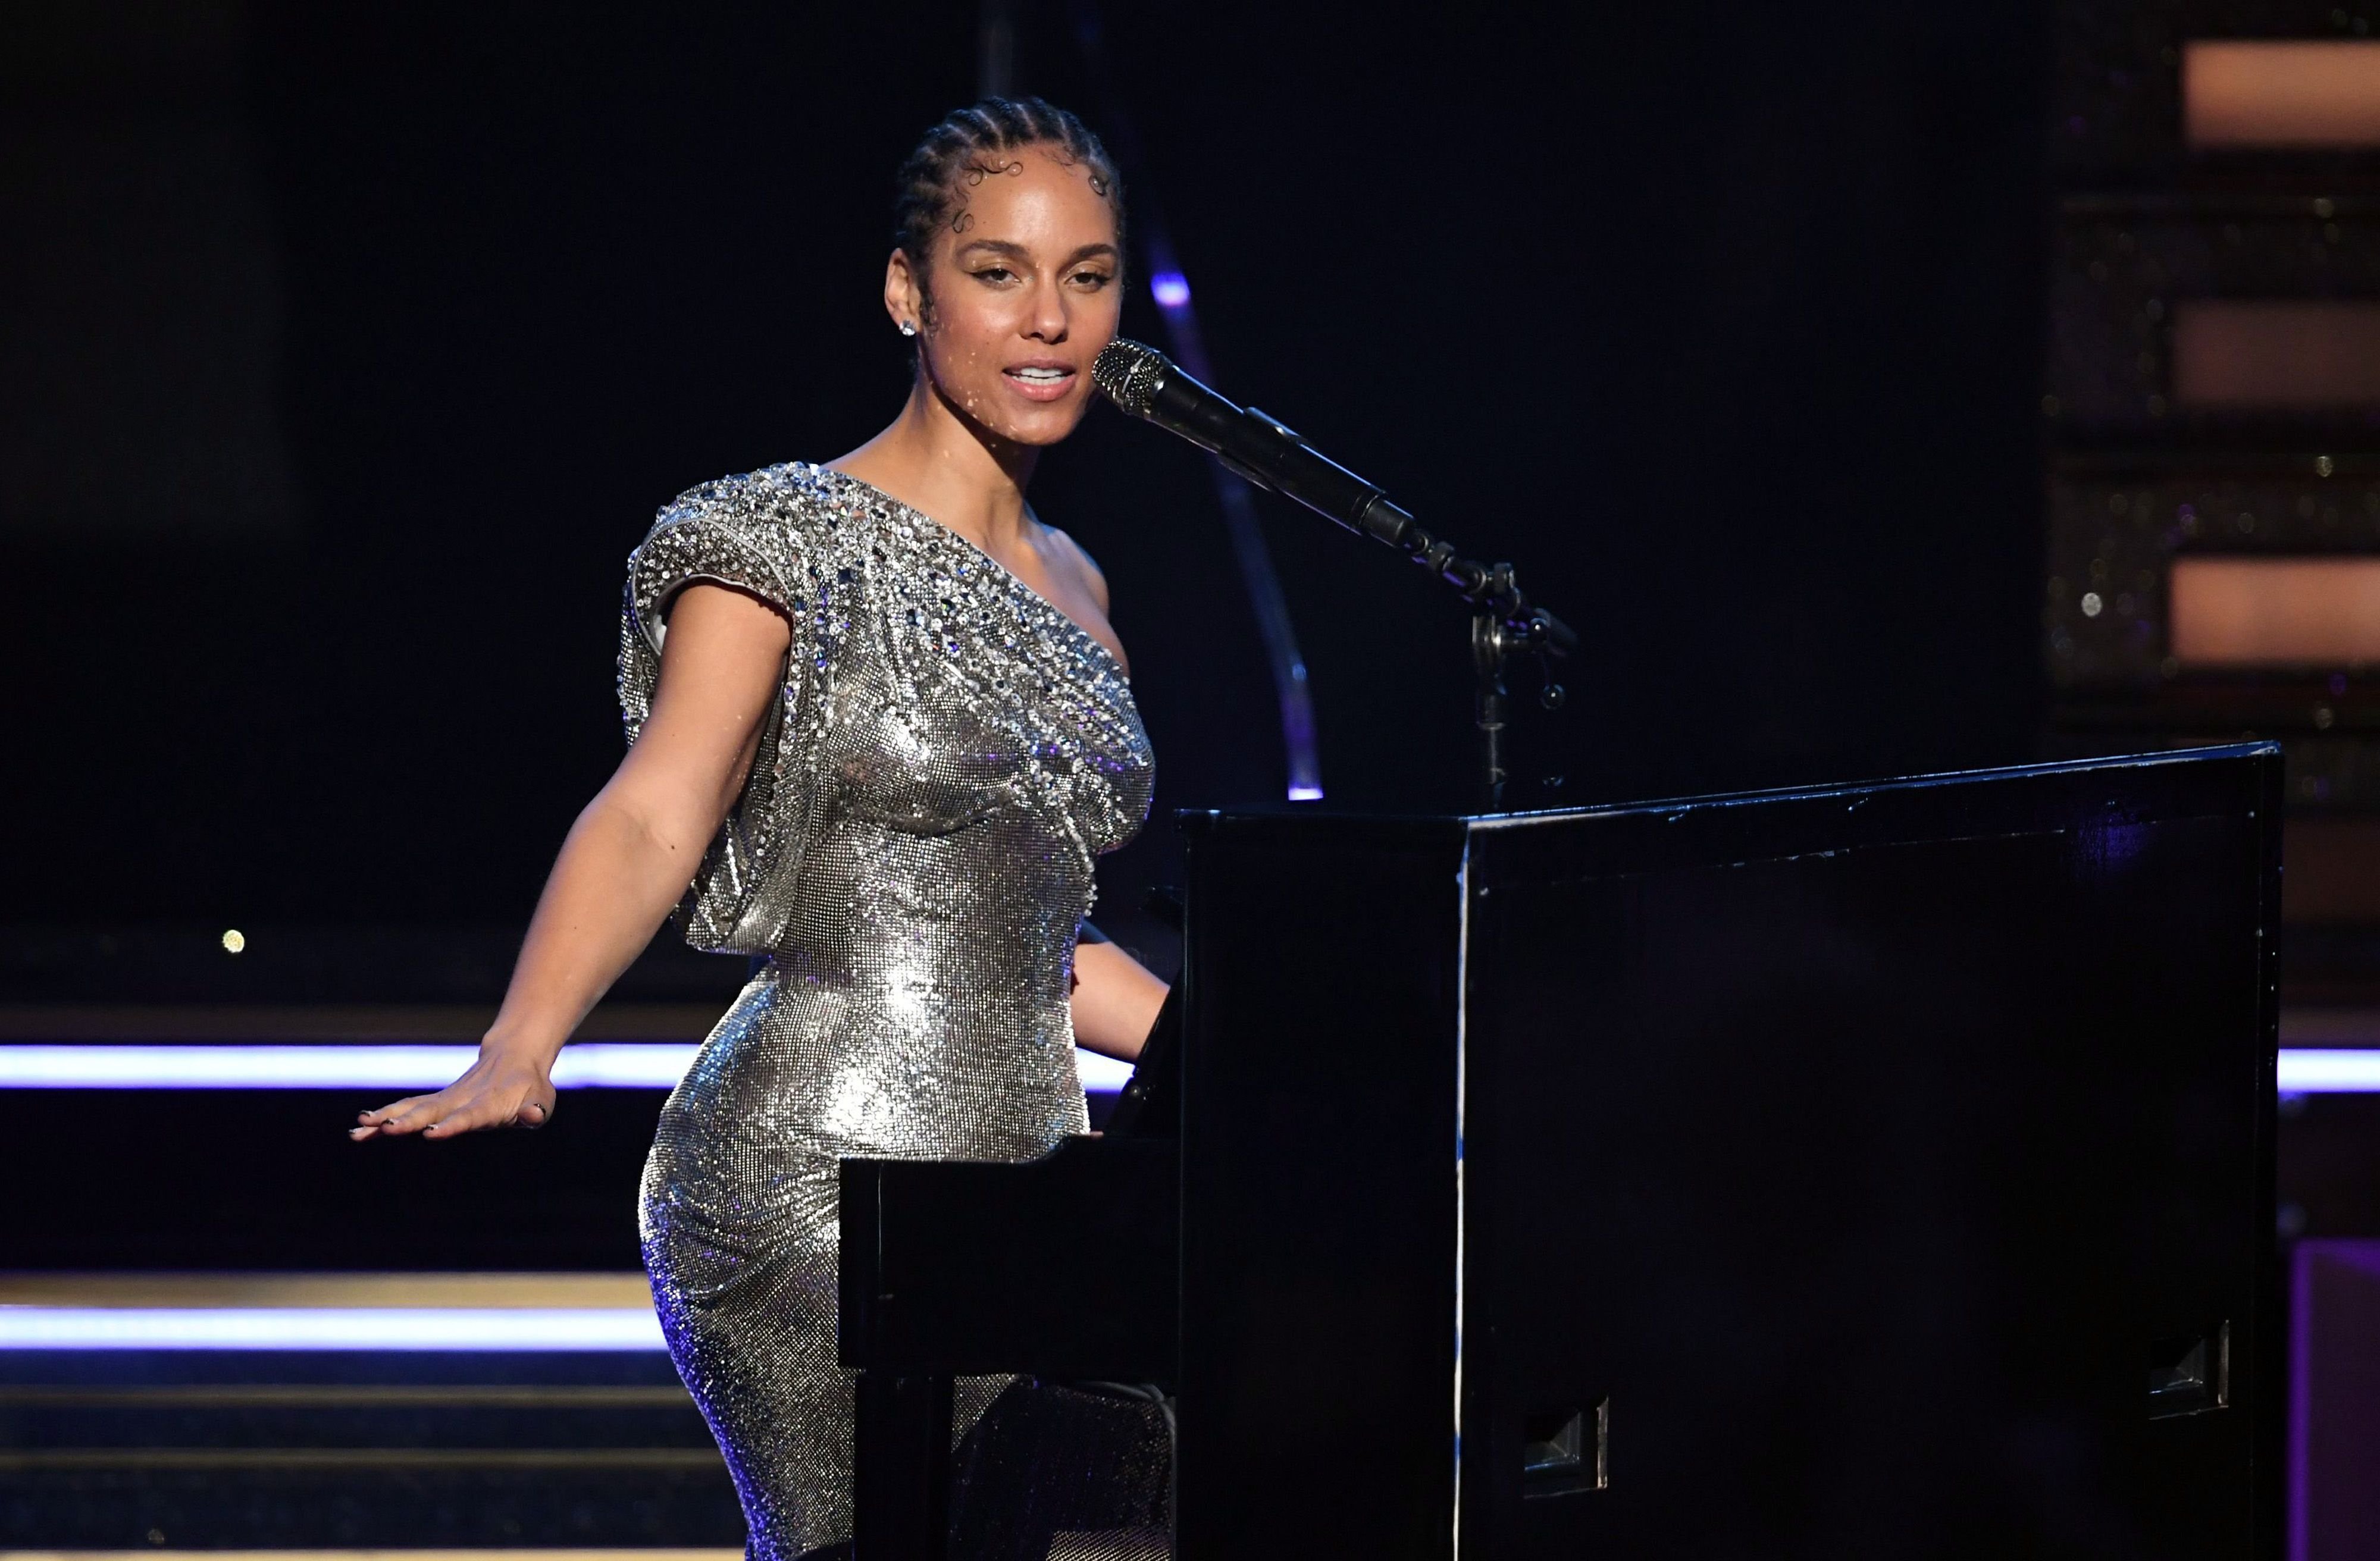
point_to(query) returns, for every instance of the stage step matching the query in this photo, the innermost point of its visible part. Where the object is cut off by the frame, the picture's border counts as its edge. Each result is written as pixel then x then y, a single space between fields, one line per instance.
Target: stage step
pixel 224 1449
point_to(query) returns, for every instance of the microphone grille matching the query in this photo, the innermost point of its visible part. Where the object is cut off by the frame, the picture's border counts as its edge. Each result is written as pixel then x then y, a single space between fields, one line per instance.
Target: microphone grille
pixel 1129 374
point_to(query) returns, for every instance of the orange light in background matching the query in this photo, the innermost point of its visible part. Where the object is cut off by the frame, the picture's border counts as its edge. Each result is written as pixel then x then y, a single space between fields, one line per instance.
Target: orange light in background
pixel 2275 355
pixel 2331 871
pixel 2249 93
pixel 2274 611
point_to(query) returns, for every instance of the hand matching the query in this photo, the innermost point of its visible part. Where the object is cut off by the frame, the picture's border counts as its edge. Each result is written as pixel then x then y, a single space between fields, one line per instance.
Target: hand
pixel 500 1091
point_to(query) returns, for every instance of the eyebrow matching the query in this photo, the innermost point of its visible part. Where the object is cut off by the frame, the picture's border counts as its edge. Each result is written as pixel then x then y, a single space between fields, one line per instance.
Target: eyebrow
pixel 1018 251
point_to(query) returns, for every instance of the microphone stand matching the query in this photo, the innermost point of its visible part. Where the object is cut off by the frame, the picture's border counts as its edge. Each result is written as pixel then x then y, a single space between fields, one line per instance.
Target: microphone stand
pixel 1143 382
pixel 1504 624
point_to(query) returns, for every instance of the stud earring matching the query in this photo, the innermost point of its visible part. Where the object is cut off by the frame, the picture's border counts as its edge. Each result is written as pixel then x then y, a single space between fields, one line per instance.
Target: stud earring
pixel 908 328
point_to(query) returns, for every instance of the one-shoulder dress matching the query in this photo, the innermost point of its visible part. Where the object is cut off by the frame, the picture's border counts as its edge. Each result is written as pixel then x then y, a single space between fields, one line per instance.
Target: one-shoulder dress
pixel 909 861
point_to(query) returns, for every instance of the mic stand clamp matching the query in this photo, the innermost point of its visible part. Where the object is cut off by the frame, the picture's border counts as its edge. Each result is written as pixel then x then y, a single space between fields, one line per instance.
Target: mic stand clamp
pixel 1503 623
pixel 1495 637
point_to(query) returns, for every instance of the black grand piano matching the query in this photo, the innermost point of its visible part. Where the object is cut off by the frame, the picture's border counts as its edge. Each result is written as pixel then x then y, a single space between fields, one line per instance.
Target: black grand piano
pixel 1868 1171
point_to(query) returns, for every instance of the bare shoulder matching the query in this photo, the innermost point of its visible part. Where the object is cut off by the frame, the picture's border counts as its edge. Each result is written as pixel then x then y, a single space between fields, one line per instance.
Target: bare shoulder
pixel 1067 556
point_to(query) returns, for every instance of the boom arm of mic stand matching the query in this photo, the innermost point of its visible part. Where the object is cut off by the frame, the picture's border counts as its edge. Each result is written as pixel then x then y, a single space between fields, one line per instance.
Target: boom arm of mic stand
pixel 1488 588
pixel 1269 453
pixel 1502 620
pixel 1305 474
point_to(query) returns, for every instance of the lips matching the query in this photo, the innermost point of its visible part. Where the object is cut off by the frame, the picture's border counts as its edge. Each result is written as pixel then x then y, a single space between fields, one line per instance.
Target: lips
pixel 1040 381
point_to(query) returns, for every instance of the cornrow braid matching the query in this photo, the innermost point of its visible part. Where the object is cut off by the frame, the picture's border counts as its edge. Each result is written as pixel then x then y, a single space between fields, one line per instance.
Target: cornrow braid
pixel 974 144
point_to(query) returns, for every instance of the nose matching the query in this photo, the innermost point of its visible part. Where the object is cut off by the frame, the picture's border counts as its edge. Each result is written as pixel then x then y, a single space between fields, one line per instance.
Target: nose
pixel 1048 324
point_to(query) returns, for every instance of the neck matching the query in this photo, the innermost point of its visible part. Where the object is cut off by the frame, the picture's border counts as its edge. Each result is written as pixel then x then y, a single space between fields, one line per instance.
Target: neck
pixel 941 461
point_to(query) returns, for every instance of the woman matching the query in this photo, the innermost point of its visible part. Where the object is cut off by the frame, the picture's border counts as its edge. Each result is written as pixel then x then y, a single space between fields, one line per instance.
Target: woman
pixel 881 723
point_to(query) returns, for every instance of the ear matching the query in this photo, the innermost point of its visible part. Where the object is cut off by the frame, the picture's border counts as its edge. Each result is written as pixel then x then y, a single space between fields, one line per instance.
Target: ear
pixel 903 299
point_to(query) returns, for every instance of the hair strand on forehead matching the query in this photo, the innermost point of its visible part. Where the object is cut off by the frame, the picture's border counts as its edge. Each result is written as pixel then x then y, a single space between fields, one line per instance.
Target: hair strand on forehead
pixel 974 144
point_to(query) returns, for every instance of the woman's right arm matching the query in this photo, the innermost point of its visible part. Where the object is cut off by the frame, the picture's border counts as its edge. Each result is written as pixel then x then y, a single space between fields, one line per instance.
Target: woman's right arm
pixel 625 864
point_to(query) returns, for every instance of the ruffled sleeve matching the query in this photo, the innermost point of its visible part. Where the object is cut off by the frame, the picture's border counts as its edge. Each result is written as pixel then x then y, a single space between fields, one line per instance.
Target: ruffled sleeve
pixel 693 543
pixel 727 533
pixel 740 533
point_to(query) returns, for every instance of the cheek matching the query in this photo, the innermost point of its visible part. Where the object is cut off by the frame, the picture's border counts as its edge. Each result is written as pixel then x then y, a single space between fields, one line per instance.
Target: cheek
pixel 1103 315
pixel 966 335
pixel 961 355
pixel 962 362
pixel 969 310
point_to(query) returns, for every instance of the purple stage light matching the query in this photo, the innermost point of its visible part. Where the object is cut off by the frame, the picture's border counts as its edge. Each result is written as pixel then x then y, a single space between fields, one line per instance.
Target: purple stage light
pixel 648 1065
pixel 2333 1429
pixel 330 1327
pixel 1171 289
pixel 2329 1070
pixel 584 1065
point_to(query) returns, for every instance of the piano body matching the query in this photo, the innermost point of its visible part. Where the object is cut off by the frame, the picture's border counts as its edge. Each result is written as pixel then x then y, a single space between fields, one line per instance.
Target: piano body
pixel 1875 1170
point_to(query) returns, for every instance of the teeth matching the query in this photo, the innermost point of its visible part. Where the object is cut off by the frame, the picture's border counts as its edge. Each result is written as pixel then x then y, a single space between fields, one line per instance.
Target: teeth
pixel 1042 374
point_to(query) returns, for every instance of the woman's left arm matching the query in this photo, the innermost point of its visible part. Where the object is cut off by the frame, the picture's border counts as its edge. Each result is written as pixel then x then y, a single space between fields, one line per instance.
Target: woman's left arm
pixel 1115 1000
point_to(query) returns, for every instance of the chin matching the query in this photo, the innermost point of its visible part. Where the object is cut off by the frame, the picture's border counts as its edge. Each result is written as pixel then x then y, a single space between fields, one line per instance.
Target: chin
pixel 1045 429
pixel 994 414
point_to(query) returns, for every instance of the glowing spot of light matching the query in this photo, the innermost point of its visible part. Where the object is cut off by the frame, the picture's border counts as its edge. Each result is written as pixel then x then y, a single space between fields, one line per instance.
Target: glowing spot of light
pixel 1171 289
pixel 233 941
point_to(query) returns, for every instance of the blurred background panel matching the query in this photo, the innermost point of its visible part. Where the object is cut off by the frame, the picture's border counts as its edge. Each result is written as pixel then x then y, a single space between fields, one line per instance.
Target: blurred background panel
pixel 2291 92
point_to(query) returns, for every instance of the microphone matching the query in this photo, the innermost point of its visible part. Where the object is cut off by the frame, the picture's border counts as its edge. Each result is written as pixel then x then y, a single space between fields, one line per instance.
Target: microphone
pixel 1266 451
pixel 1145 382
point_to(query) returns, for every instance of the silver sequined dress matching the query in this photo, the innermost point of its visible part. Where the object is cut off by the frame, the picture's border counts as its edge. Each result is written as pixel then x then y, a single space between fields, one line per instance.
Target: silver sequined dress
pixel 910 857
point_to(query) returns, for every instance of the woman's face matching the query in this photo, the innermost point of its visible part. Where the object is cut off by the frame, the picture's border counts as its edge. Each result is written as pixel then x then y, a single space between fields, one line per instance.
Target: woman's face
pixel 1027 283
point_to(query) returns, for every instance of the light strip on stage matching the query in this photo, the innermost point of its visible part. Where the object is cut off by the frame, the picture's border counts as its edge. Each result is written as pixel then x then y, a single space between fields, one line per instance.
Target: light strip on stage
pixel 2328 1071
pixel 329 1328
pixel 596 1064
pixel 642 1065
pixel 586 1065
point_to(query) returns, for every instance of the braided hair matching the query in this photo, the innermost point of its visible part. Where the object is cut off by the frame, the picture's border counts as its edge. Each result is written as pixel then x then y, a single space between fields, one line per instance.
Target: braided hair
pixel 974 144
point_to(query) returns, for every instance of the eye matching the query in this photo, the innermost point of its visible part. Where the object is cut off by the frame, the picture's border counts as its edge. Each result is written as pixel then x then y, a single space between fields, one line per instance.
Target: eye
pixel 1093 280
pixel 995 274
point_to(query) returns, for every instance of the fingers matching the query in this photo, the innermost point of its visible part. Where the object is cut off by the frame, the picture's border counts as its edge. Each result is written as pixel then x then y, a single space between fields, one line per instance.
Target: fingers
pixel 478 1100
pixel 387 1119
pixel 415 1113
pixel 482 1111
pixel 445 1114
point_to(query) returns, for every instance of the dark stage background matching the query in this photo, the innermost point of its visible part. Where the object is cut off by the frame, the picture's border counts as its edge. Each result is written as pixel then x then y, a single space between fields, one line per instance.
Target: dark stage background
pixel 347 351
